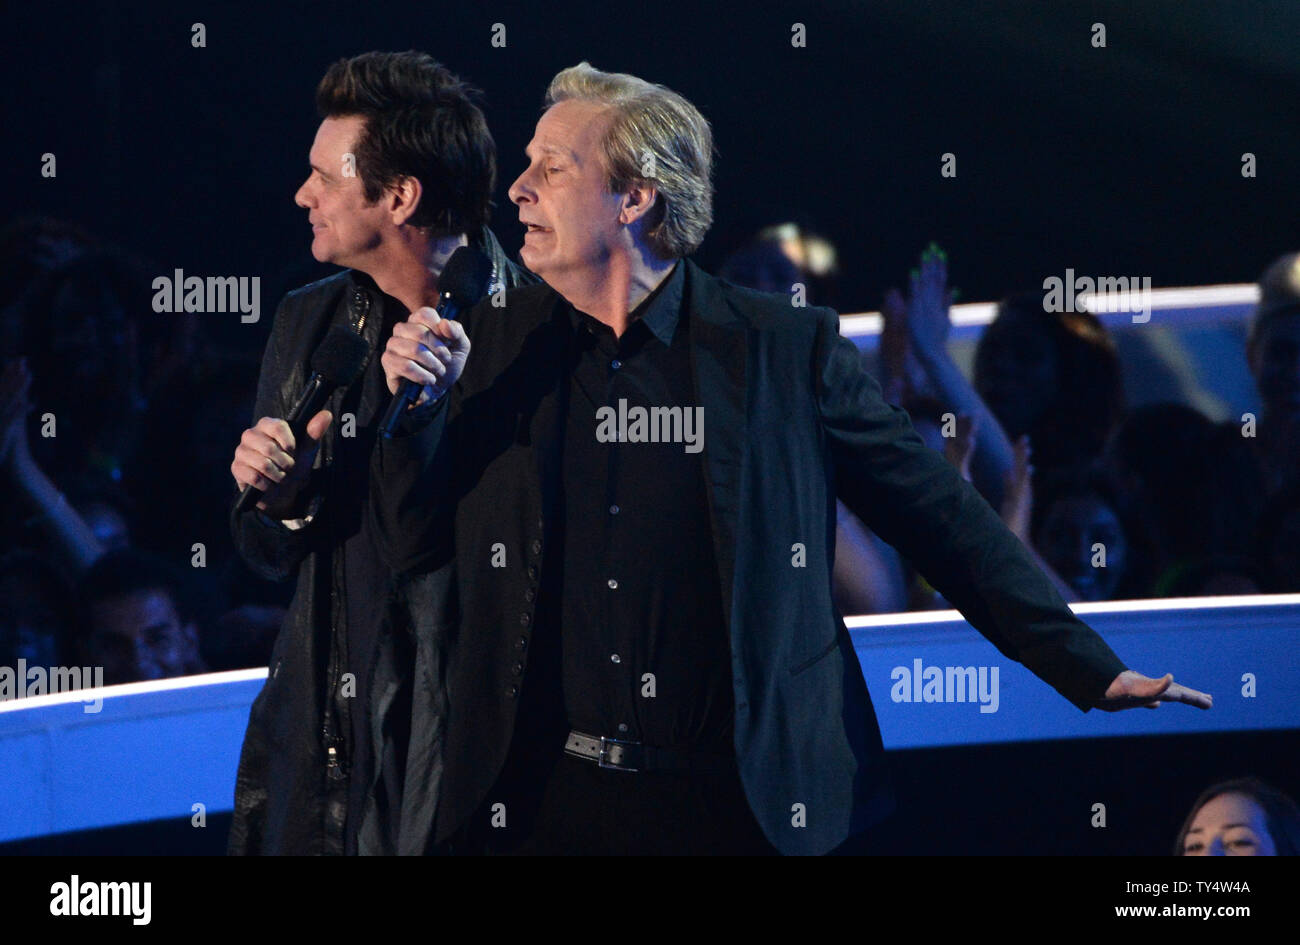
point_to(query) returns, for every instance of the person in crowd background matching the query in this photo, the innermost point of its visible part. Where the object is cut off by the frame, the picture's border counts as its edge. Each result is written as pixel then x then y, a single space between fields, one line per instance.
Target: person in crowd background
pixel 1241 817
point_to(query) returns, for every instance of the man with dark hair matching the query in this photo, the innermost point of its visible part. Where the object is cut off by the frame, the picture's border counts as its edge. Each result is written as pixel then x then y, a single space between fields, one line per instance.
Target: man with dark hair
pixel 402 172
pixel 138 619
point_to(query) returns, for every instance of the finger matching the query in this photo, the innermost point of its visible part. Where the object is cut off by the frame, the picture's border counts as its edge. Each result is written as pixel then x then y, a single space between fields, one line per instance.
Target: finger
pixel 409 370
pixel 255 474
pixel 262 464
pixel 277 430
pixel 318 424
pixel 261 443
pixel 1157 686
pixel 1177 693
pixel 453 331
pixel 425 316
pixel 405 350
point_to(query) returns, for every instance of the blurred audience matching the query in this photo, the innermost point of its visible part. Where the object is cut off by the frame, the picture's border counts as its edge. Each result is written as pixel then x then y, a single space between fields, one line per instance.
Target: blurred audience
pixel 1277 542
pixel 1076 527
pixel 36 611
pixel 102 402
pixel 1053 376
pixel 1273 354
pixel 1191 493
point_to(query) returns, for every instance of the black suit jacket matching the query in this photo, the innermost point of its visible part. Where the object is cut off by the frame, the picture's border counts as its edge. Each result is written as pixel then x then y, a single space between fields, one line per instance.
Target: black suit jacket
pixel 791 420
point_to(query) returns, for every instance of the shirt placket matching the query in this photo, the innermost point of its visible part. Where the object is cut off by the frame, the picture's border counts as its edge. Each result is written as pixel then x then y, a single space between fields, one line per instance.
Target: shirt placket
pixel 615 614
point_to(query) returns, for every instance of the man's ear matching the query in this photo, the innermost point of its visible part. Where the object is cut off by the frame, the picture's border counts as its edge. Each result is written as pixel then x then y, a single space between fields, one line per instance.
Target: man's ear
pixel 403 198
pixel 639 200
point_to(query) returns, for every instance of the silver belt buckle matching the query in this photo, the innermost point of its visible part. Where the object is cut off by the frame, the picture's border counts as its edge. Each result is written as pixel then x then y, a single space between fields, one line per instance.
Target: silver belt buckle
pixel 612 764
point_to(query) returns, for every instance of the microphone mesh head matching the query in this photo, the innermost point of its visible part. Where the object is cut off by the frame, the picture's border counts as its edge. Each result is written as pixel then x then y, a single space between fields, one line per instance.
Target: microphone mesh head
pixel 466 276
pixel 340 357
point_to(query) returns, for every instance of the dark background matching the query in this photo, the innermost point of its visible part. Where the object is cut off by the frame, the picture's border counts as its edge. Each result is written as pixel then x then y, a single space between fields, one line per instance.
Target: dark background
pixel 1123 160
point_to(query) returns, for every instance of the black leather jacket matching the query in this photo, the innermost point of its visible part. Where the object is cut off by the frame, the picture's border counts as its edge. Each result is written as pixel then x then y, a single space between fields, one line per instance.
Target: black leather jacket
pixel 298 758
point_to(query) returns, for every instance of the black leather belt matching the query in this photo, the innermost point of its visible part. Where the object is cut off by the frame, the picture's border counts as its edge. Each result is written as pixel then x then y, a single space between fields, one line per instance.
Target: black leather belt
pixel 622 755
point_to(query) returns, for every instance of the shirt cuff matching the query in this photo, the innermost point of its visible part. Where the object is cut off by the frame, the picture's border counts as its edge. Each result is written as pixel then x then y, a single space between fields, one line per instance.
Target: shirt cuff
pixel 294 524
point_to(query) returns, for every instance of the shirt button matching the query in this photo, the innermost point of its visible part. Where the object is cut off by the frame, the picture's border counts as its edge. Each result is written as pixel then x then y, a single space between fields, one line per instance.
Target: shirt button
pixel 616 364
pixel 529 595
pixel 512 692
pixel 532 573
pixel 517 669
pixel 536 546
pixel 622 726
pixel 613 510
pixel 613 584
pixel 523 642
pixel 524 620
pixel 615 658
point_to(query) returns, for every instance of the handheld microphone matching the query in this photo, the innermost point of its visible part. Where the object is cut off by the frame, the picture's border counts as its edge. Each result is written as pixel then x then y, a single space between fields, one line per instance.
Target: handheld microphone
pixel 462 283
pixel 337 362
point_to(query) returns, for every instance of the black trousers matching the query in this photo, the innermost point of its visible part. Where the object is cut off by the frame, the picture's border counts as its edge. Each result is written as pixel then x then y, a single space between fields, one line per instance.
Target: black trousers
pixel 570 806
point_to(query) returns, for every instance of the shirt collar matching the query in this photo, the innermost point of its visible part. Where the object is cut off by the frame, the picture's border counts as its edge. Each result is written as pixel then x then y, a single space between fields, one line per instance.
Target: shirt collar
pixel 660 310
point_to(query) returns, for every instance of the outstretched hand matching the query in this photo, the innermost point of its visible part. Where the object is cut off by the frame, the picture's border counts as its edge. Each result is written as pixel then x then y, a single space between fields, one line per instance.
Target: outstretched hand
pixel 1130 689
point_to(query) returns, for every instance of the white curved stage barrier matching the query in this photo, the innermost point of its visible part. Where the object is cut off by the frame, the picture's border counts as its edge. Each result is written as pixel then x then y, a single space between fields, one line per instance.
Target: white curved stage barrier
pixel 154 750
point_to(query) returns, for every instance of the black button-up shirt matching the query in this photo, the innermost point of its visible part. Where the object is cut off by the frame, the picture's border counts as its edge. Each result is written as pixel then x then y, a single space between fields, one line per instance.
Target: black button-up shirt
pixel 645 653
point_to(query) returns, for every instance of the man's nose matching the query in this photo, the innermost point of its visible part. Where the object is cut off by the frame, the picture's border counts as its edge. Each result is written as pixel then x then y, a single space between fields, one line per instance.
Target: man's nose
pixel 301 197
pixel 519 191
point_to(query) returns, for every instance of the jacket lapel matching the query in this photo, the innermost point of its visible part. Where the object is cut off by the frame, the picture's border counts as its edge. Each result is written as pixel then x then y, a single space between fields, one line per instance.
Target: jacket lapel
pixel 719 355
pixel 553 340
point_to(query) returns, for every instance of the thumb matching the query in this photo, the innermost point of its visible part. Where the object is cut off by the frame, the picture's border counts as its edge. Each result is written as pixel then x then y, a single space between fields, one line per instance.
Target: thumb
pixel 1147 688
pixel 317 426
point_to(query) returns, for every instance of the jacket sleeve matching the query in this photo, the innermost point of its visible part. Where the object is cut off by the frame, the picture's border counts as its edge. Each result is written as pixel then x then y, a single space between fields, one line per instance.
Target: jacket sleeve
pixel 916 501
pixel 272 549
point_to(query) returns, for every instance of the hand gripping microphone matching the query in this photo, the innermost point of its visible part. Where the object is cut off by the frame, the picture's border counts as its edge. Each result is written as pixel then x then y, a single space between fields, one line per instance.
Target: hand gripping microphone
pixel 336 363
pixel 463 282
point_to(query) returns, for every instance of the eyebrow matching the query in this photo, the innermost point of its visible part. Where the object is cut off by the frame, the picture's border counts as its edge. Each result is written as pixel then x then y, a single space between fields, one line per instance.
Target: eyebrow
pixel 552 149
pixel 319 170
pixel 1225 827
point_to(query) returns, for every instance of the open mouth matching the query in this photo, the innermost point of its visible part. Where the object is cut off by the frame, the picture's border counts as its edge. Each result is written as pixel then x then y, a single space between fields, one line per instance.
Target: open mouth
pixel 534 228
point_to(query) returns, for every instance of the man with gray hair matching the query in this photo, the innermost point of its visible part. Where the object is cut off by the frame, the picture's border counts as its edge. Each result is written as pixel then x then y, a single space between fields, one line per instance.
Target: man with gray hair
pixel 648 659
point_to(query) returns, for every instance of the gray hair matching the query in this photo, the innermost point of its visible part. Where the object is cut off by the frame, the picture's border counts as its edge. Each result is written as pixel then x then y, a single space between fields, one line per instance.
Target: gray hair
pixel 656 137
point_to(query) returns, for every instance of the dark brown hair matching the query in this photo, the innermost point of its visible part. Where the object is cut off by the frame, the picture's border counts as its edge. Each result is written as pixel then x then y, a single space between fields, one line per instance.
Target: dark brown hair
pixel 421 121
pixel 1280 813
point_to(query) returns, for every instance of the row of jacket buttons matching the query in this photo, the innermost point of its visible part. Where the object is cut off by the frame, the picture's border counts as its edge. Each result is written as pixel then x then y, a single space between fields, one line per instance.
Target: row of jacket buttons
pixel 525 618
